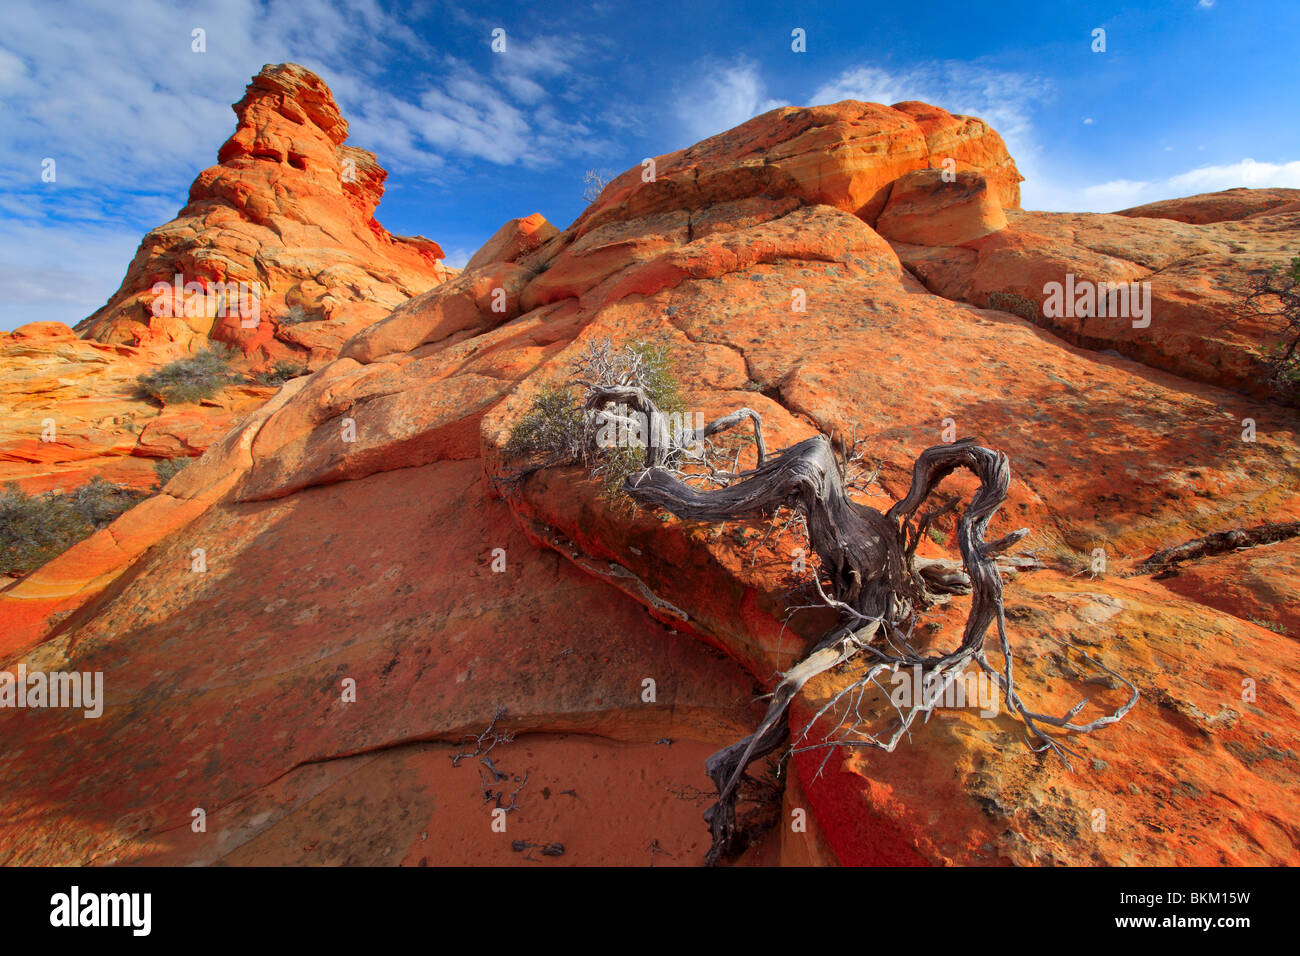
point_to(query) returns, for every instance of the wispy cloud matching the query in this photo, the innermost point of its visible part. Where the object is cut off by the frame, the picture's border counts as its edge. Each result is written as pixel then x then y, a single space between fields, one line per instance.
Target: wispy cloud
pixel 48 274
pixel 458 257
pixel 503 116
pixel 129 112
pixel 720 96
pixel 119 97
pixel 1123 193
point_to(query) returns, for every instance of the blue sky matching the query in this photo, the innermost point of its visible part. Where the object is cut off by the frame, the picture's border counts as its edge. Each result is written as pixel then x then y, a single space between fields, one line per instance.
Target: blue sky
pixel 1189 96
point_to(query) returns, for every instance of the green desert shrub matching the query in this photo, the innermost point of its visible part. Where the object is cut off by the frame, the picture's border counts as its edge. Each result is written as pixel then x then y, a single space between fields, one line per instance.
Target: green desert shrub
pixel 279 373
pixel 551 431
pixel 190 379
pixel 168 468
pixel 616 466
pixel 657 377
pixel 296 314
pixel 36 528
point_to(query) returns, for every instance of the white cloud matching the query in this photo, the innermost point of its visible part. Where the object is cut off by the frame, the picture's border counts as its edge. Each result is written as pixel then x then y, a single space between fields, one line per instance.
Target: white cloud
pixel 140 106
pixel 45 279
pixel 724 95
pixel 131 114
pixel 1245 173
pixel 1122 193
pixel 458 257
pixel 1107 197
pixel 474 116
pixel 118 97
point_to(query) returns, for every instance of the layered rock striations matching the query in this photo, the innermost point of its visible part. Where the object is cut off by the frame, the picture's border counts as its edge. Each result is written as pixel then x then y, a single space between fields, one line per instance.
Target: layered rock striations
pixel 289 211
pixel 277 253
pixel 813 265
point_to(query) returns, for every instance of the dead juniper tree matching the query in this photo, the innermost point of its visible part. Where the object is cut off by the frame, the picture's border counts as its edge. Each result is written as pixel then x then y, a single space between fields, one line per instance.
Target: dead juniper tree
pixel 869 571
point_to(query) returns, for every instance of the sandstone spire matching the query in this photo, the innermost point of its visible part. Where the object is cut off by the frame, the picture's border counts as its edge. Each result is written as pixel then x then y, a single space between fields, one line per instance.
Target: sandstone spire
pixel 289 211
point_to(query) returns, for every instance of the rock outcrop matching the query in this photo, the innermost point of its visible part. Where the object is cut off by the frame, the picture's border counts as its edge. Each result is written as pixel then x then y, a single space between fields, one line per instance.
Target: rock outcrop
pixel 1179 268
pixel 289 209
pixel 355 539
pixel 930 208
pixel 1225 206
pixel 290 212
pixel 73 411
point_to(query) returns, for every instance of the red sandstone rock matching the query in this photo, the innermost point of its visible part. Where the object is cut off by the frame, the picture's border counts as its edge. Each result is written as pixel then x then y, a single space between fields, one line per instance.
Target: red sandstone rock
pixel 370 558
pixel 291 209
pixel 1196 275
pixel 289 203
pixel 845 155
pixel 72 412
pixel 1224 206
pixel 926 209
pixel 516 238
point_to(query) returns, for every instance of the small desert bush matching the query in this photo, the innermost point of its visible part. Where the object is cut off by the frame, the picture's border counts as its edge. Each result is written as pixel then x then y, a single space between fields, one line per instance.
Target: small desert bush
pixel 1014 303
pixel 168 468
pixel 36 528
pixel 550 429
pixel 655 374
pixel 279 373
pixel 295 314
pixel 1273 297
pixel 552 432
pixel 615 467
pixel 190 379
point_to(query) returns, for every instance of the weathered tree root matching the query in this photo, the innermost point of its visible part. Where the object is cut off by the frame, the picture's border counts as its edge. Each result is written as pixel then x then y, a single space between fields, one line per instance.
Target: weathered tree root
pixel 876 584
pixel 875 581
pixel 1221 542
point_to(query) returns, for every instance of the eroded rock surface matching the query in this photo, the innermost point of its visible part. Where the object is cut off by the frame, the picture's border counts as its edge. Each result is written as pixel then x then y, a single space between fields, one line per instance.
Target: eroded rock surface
pixel 73 412
pixel 1190 259
pixel 290 208
pixel 374 557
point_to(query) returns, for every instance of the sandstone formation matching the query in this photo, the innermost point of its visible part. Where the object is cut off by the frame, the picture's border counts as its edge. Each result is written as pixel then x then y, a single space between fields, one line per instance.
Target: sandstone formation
pixel 1223 206
pixel 1189 275
pixel 73 412
pixel 290 209
pixel 927 209
pixel 354 529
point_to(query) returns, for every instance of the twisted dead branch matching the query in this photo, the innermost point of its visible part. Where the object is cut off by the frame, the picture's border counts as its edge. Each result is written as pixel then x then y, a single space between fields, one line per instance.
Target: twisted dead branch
pixel 873 579
pixel 1163 562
